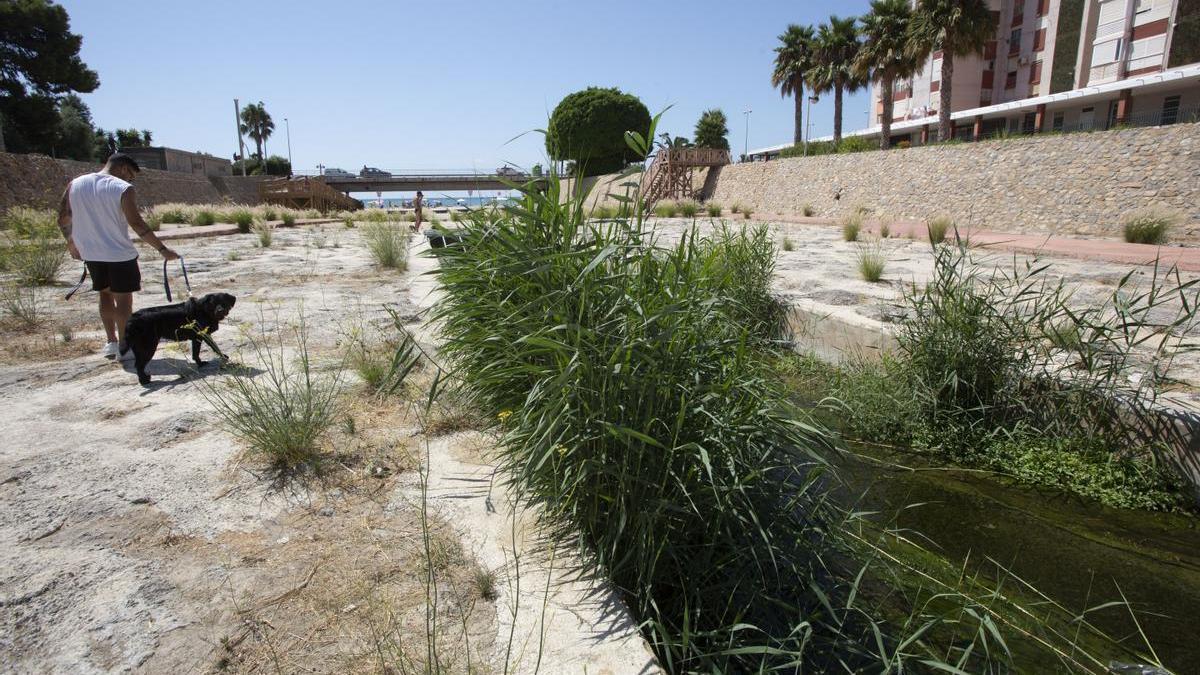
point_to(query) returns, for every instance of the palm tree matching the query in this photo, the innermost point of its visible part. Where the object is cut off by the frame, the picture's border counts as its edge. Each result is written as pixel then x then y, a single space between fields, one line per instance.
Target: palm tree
pixel 793 60
pixel 884 56
pixel 258 125
pixel 837 47
pixel 957 28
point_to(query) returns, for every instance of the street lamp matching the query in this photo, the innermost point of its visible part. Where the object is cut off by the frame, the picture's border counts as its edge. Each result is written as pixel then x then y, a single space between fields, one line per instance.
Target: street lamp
pixel 746 141
pixel 808 122
pixel 288 127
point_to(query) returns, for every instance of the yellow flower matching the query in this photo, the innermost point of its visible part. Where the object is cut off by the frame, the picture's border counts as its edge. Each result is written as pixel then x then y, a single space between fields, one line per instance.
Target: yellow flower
pixel 504 415
pixel 560 449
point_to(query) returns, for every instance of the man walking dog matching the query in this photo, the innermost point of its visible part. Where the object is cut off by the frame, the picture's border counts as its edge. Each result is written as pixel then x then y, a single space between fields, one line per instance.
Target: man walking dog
pixel 95 211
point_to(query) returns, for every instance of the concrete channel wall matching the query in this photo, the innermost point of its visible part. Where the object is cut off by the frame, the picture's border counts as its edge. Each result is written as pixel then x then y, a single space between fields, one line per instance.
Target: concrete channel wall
pixel 38 181
pixel 1083 183
pixel 1066 184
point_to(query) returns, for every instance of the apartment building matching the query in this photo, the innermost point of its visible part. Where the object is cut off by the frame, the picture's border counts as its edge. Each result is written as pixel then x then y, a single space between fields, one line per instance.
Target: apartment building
pixel 1045 50
pixel 1058 65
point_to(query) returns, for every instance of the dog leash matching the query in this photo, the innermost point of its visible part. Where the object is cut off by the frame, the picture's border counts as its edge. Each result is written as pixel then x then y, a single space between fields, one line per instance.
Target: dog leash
pixel 76 287
pixel 166 281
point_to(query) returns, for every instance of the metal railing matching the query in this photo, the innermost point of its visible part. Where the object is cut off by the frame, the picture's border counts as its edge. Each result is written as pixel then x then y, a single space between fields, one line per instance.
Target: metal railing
pixel 1155 118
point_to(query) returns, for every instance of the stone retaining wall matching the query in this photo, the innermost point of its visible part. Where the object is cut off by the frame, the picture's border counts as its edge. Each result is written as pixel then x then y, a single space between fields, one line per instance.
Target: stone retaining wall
pixel 38 180
pixel 1084 183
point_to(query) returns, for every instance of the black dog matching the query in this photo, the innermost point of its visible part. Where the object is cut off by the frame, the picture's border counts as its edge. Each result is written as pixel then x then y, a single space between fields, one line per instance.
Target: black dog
pixel 193 320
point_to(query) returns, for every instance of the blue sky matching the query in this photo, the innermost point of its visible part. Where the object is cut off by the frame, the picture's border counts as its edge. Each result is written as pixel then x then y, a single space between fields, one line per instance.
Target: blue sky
pixel 434 85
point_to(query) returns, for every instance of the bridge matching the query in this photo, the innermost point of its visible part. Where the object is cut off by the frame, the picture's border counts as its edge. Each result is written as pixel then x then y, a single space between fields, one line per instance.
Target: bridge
pixel 433 182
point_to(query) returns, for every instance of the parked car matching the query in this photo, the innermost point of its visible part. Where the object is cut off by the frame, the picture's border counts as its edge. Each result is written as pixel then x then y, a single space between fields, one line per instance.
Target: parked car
pixel 372 172
pixel 338 173
pixel 509 171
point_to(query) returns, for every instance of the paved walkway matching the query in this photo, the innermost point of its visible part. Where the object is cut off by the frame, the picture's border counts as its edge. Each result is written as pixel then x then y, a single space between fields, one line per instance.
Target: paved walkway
pixel 176 232
pixel 1108 250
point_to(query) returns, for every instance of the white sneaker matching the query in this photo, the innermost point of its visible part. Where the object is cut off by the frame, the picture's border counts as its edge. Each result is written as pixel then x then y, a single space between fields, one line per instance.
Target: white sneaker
pixel 111 350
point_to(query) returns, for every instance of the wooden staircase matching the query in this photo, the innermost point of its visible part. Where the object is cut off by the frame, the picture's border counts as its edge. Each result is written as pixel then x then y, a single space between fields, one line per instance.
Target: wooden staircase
pixel 672 173
pixel 305 192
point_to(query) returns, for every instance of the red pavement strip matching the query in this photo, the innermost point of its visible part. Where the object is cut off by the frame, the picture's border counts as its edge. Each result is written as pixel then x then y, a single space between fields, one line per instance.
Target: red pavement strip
pixel 1107 250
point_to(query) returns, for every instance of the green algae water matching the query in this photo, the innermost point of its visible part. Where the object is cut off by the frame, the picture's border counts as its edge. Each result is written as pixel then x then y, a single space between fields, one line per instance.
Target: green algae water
pixel 1078 553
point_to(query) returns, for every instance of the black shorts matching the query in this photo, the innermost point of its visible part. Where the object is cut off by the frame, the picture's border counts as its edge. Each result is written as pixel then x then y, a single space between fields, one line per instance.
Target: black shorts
pixel 117 277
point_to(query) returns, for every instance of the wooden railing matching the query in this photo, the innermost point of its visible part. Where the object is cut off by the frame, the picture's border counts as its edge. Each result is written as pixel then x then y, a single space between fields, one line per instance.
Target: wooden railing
pixel 671 173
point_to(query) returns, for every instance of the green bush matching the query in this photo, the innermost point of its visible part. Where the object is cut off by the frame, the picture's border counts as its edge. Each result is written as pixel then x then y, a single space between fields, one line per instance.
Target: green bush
pixel 289 219
pixel 203 217
pixel 713 209
pixel 588 127
pixel 388 244
pixel 688 208
pixel 980 379
pixel 1149 227
pixel 736 208
pixel 809 211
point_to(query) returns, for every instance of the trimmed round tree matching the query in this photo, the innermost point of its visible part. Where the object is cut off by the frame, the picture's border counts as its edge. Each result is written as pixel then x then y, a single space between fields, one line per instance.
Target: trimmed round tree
pixel 588 128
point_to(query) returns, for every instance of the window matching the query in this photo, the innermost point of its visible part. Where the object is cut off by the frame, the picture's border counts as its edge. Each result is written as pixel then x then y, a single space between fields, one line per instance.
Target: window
pixel 1010 82
pixel 1057 123
pixel 1035 72
pixel 1029 123
pixel 1170 110
pixel 1014 42
pixel 1043 7
pixel 1143 6
pixel 1039 40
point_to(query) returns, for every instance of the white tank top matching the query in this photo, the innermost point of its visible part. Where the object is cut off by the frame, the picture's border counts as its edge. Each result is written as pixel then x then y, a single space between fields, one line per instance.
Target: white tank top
pixel 98 224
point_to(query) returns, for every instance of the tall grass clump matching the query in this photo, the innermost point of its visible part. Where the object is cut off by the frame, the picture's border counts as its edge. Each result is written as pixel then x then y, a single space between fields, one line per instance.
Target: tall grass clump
pixel 383 362
pixel 203 217
pixel 937 228
pixel 387 244
pixel 265 233
pixel 604 212
pixel 713 209
pixel 688 208
pixel 282 412
pixel 852 225
pixel 809 211
pixel 243 218
pixel 638 412
pixel 31 246
pixel 288 218
pixel 21 306
pixel 173 214
pixel 871 260
pixel 1149 227
pixel 666 209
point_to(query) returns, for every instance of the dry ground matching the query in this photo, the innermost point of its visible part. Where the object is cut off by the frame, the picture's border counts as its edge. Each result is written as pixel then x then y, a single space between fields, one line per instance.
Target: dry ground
pixel 137 536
